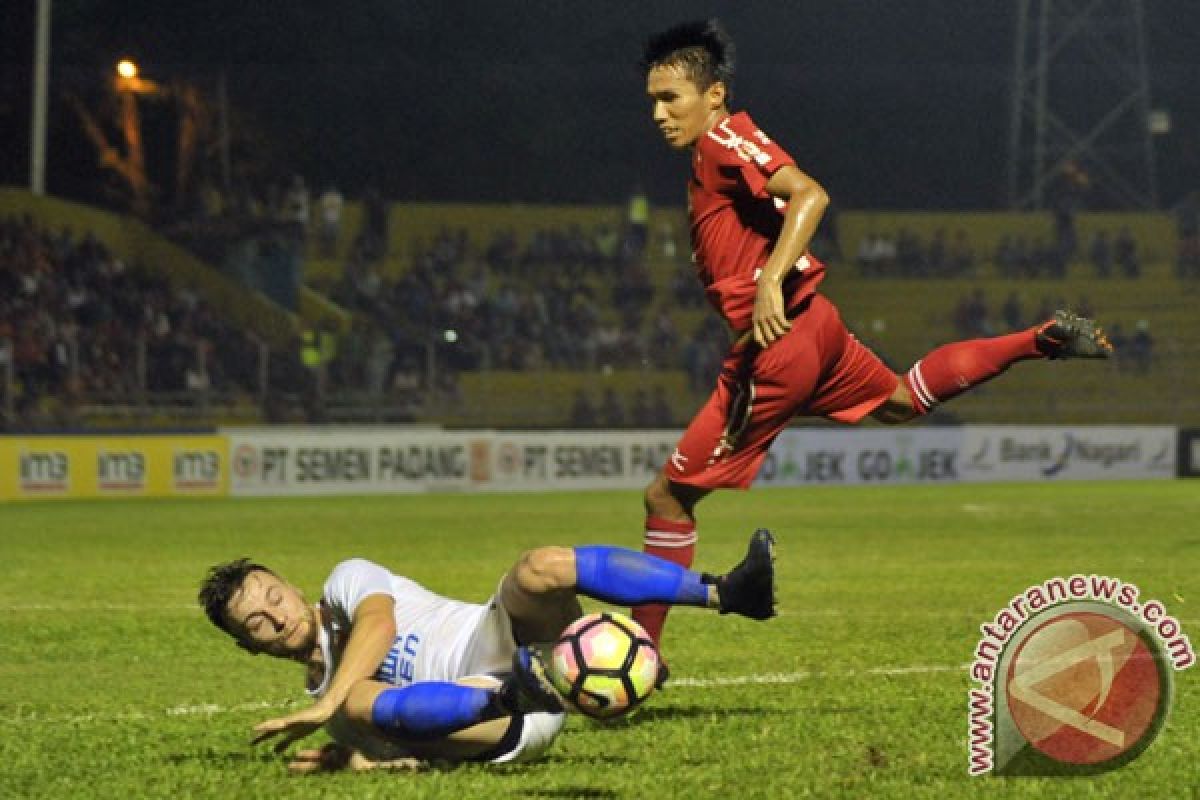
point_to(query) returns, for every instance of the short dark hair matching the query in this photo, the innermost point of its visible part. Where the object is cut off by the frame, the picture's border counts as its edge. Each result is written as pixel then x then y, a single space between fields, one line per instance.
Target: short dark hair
pixel 222 583
pixel 701 49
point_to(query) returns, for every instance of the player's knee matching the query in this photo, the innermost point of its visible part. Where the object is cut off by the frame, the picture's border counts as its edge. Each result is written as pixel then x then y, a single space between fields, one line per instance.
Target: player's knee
pixel 898 408
pixel 657 495
pixel 545 569
pixel 662 501
pixel 895 414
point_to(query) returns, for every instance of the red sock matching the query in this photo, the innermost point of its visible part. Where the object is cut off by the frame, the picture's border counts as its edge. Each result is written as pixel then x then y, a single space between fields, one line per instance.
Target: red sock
pixel 675 542
pixel 954 368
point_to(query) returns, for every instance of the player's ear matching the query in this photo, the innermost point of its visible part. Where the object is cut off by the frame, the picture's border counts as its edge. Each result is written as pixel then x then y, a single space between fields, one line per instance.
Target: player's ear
pixel 716 94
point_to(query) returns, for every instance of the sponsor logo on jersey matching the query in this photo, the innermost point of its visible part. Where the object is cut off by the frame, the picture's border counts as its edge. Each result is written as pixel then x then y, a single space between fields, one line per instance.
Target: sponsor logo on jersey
pixel 399 665
pixel 724 135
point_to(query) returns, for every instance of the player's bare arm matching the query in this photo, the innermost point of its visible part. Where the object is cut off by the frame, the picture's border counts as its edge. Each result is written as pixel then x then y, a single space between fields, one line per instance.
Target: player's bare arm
pixel 371 634
pixel 806 204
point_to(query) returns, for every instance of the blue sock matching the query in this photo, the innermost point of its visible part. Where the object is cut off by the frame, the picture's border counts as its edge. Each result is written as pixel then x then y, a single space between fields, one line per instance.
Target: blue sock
pixel 629 578
pixel 432 708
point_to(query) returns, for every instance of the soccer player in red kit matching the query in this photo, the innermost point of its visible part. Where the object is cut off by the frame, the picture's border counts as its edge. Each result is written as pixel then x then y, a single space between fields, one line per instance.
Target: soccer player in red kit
pixel 752 214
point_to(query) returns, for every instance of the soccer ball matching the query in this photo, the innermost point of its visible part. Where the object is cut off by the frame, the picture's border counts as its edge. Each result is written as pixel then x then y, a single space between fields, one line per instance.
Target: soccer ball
pixel 604 664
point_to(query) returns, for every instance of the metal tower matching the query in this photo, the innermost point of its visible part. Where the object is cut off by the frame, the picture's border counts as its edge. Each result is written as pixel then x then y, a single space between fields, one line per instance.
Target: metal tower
pixel 1081 105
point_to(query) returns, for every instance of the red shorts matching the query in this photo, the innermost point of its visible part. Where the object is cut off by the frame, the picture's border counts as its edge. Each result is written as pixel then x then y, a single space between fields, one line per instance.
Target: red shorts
pixel 817 369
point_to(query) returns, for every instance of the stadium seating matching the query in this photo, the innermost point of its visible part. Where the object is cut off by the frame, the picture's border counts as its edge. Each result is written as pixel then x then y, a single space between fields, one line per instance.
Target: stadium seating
pixel 903 319
pixel 475 384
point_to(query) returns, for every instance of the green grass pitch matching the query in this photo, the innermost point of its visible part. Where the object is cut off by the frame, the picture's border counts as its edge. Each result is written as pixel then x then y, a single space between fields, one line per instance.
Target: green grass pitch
pixel 112 684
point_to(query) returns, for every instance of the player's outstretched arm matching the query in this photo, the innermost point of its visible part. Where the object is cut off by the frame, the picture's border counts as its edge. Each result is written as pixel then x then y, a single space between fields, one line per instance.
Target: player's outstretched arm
pixel 371 634
pixel 806 203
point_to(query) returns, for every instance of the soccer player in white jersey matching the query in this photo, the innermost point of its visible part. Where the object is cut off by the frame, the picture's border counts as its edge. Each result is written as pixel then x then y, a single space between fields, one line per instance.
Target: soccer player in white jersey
pixel 399 672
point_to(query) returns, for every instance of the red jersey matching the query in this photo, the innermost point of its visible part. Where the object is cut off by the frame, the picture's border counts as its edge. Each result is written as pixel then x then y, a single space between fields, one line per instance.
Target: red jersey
pixel 735 221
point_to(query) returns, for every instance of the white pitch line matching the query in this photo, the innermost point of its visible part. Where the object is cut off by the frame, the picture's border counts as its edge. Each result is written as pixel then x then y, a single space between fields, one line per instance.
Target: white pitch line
pixel 211 709
pixel 207 709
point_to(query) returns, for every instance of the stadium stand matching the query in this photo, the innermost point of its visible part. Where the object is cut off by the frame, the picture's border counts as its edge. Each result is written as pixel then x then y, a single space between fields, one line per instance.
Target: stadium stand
pixel 903 314
pixel 104 324
pixel 539 316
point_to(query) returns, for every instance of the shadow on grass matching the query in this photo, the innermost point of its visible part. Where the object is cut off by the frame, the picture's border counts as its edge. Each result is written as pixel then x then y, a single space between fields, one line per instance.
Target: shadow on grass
pixel 227 758
pixel 575 760
pixel 693 712
pixel 570 791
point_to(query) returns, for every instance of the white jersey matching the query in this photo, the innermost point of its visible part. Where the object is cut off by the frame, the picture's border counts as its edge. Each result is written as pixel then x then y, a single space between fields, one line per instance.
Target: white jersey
pixel 437 639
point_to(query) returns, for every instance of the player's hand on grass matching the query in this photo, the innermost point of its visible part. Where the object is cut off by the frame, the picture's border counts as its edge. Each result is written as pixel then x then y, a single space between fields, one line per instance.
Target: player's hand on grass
pixel 334 757
pixel 330 758
pixel 770 320
pixel 293 727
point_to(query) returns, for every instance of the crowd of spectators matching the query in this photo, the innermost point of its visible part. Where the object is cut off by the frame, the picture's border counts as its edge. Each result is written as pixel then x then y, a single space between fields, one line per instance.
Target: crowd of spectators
pixel 1187 225
pixel 570 299
pixel 287 199
pixel 79 326
pixel 905 255
pixel 566 299
pixel 78 323
pixel 1134 352
pixel 1115 254
pixel 1187 264
pixel 973 317
pixel 643 410
pixel 261 234
pixel 1017 256
pixel 1108 254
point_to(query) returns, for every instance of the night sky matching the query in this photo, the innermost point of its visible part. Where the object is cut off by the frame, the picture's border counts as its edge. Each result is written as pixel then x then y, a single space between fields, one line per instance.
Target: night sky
pixel 888 104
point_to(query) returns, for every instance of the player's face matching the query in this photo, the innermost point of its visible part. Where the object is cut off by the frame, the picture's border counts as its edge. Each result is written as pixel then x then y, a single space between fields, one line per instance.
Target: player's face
pixel 270 616
pixel 683 111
